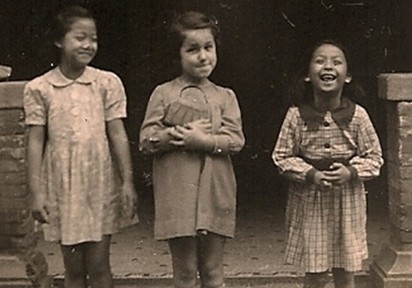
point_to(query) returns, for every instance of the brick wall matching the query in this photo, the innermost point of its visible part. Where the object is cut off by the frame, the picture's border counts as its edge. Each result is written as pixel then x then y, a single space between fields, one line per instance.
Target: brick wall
pixel 397 90
pixel 399 159
pixel 393 267
pixel 16 224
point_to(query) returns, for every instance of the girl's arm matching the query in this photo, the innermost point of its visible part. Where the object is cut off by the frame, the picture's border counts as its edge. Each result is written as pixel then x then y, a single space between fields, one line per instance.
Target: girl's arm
pixel 115 110
pixel 120 144
pixel 154 135
pixel 35 151
pixel 368 161
pixel 230 138
pixel 286 150
pixel 118 139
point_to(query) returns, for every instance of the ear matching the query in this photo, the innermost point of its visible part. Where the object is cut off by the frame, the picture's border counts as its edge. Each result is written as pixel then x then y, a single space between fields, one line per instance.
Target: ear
pixel 307 79
pixel 58 44
pixel 348 78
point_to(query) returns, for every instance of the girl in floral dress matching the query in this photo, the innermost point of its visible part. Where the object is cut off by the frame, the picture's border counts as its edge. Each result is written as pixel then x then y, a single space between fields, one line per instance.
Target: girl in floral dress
pixel 74 115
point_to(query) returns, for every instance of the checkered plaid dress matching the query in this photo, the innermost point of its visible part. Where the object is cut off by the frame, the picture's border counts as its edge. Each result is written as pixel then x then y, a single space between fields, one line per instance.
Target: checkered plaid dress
pixel 327 229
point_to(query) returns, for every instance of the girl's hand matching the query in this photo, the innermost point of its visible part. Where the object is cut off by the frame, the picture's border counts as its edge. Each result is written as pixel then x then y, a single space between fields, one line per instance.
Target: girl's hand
pixel 193 129
pixel 176 135
pixel 320 180
pixel 129 200
pixel 163 136
pixel 339 174
pixel 201 124
pixel 38 209
pixel 183 136
pixel 193 137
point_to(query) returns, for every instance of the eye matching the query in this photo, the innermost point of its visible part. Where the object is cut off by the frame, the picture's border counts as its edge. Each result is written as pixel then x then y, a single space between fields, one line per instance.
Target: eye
pixel 209 47
pixel 337 62
pixel 319 61
pixel 192 49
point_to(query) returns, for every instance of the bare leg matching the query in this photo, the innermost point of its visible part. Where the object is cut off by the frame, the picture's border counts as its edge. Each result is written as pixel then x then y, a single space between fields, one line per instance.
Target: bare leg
pixel 184 252
pixel 211 260
pixel 75 274
pixel 343 279
pixel 98 263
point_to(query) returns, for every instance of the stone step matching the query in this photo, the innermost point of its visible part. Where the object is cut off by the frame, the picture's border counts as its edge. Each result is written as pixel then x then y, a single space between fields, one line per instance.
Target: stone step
pixel 281 281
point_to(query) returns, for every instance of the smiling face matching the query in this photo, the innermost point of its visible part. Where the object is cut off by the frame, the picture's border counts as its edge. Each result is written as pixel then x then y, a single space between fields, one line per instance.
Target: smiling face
pixel 198 54
pixel 328 70
pixel 79 45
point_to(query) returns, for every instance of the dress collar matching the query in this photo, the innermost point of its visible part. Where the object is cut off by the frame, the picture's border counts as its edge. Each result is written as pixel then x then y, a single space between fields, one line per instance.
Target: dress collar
pixel 56 77
pixel 186 83
pixel 342 115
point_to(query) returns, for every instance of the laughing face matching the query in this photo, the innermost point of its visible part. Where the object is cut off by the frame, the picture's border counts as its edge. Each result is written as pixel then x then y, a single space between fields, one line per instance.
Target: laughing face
pixel 198 54
pixel 328 69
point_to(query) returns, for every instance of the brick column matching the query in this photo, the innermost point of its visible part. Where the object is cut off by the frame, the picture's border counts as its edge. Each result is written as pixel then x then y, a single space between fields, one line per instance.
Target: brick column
pixel 393 268
pixel 17 239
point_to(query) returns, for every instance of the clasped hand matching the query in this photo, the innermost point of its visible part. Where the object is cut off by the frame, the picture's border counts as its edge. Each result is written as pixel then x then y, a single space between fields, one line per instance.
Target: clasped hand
pixel 337 175
pixel 191 135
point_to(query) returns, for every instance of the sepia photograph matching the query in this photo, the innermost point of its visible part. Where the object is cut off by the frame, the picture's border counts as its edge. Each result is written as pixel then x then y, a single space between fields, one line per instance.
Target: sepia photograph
pixel 206 143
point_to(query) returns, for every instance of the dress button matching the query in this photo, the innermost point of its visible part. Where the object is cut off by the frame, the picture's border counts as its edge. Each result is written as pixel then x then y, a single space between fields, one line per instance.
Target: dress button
pixel 327 145
pixel 219 150
pixel 326 124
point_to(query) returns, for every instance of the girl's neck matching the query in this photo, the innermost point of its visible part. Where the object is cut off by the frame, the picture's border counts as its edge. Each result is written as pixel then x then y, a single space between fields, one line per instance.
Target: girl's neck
pixel 192 80
pixel 327 101
pixel 70 71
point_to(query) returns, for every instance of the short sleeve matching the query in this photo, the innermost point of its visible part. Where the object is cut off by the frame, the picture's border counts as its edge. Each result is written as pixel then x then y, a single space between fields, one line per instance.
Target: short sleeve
pixel 34 106
pixel 115 98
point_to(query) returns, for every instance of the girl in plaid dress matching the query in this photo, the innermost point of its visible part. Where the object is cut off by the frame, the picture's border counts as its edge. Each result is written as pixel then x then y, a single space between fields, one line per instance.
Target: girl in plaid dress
pixel 327 148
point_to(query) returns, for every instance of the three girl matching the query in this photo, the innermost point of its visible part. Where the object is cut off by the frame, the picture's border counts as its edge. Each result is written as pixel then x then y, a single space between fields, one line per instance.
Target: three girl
pixel 74 115
pixel 327 147
pixel 192 126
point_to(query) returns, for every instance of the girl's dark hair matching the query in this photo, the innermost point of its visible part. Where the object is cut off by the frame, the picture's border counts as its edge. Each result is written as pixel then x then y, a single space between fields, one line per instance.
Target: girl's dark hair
pixel 302 92
pixel 65 18
pixel 188 21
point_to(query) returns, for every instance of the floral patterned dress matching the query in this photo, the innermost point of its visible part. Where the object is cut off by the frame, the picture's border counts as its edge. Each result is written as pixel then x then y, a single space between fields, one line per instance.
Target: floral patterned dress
pixel 78 170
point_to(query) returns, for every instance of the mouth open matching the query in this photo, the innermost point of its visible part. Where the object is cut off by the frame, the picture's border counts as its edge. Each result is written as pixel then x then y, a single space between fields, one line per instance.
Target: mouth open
pixel 328 77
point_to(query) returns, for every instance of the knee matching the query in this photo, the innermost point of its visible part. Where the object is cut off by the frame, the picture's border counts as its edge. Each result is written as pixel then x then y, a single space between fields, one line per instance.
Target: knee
pixel 75 271
pixel 343 278
pixel 98 271
pixel 185 276
pixel 316 280
pixel 211 276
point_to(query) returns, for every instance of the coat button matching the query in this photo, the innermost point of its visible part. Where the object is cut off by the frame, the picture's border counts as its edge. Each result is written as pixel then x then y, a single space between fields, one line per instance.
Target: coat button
pixel 326 124
pixel 327 145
